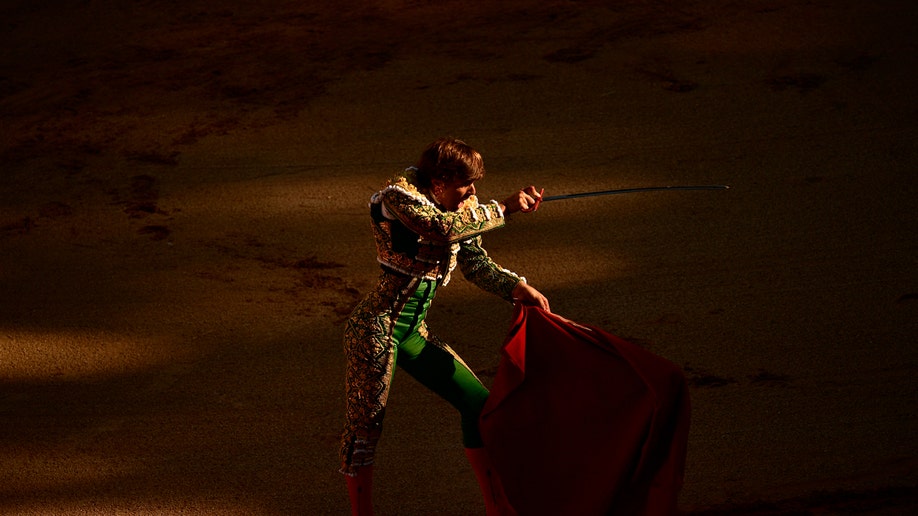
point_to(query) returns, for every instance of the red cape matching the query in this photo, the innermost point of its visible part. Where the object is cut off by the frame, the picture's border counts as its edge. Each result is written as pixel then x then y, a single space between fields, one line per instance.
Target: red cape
pixel 582 422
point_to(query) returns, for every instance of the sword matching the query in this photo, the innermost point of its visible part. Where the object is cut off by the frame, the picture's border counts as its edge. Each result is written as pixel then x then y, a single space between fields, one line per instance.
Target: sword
pixel 632 190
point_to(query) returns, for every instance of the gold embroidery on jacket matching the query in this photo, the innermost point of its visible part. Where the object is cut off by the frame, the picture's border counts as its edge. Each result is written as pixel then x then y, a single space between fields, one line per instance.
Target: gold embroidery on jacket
pixel 415 240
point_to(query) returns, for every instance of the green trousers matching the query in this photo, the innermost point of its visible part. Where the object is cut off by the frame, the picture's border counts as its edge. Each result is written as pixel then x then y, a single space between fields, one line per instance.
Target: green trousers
pixel 436 366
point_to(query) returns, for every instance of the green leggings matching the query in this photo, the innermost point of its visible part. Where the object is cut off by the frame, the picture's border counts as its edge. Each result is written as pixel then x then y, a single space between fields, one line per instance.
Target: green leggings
pixel 437 366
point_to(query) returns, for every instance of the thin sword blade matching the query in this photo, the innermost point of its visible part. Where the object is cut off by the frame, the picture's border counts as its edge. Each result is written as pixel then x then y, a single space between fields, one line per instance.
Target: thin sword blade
pixel 633 190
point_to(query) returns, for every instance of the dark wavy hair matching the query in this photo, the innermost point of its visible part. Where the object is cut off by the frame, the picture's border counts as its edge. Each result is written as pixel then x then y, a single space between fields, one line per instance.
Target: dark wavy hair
pixel 449 160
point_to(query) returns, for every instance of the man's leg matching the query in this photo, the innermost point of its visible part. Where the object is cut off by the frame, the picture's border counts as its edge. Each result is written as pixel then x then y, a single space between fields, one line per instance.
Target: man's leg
pixel 440 369
pixel 360 490
pixel 369 375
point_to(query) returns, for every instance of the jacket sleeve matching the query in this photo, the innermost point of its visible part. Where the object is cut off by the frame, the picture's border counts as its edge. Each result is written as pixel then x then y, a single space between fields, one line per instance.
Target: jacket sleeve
pixel 481 270
pixel 430 223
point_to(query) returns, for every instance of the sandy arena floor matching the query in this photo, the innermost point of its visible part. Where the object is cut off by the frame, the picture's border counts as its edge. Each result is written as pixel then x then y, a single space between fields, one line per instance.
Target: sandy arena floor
pixel 183 228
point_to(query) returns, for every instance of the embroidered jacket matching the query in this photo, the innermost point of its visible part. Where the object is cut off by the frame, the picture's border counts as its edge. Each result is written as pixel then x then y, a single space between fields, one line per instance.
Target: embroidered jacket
pixel 416 238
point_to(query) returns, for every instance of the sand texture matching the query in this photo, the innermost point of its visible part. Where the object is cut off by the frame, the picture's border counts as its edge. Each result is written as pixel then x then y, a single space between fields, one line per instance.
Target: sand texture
pixel 183 229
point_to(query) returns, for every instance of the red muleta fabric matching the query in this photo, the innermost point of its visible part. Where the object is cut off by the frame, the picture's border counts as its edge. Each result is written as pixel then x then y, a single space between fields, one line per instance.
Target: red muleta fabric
pixel 582 422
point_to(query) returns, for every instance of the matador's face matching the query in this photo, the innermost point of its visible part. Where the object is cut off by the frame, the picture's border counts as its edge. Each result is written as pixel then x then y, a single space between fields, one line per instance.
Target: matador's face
pixel 450 195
